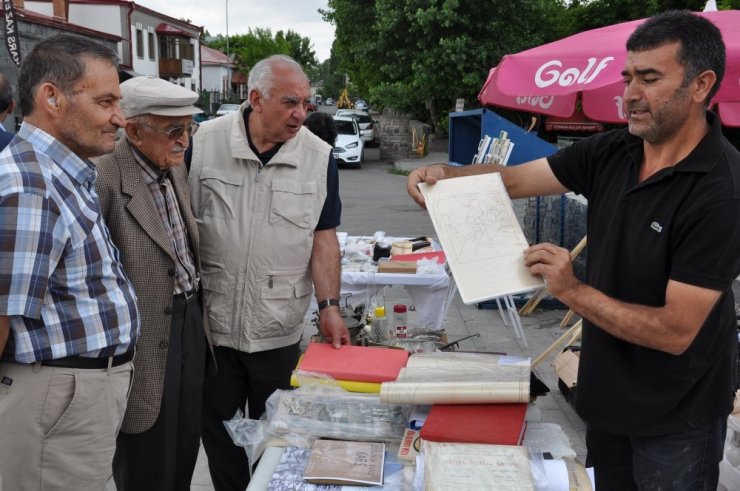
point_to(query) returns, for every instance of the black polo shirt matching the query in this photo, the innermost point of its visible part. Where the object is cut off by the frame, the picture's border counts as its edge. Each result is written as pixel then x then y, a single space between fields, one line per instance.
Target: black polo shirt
pixel 682 223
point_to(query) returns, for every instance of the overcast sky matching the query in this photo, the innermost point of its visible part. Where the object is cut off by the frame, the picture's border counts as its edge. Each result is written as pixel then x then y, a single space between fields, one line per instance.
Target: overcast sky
pixel 301 16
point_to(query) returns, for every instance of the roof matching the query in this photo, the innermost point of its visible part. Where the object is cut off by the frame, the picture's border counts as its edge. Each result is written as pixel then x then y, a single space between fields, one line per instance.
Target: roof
pixel 135 6
pixel 238 78
pixel 164 28
pixel 210 56
pixel 41 19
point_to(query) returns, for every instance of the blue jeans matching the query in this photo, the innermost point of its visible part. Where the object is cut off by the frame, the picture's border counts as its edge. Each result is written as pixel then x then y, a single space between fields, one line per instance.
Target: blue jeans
pixel 682 461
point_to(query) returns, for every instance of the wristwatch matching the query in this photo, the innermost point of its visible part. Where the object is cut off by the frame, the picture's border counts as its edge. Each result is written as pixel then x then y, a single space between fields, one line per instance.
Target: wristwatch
pixel 329 301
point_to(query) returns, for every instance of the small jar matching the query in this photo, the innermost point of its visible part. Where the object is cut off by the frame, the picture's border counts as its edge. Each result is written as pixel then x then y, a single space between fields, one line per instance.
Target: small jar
pixel 399 320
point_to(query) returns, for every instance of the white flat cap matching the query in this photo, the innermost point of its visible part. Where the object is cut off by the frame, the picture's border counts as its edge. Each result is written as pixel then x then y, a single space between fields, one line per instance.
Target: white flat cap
pixel 152 95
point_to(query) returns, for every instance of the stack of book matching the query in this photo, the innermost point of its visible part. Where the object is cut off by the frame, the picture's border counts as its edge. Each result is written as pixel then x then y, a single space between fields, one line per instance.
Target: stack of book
pixel 461 398
pixel 355 368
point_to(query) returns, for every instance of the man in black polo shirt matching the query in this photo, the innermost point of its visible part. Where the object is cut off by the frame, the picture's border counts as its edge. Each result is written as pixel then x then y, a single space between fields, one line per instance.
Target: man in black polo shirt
pixel 657 371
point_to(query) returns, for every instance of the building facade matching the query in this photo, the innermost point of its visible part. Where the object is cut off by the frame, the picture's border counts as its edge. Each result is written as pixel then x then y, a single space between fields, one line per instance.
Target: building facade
pixel 31 28
pixel 150 43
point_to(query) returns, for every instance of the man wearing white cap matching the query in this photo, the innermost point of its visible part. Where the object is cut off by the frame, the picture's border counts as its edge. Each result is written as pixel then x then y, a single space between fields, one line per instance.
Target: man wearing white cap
pixel 144 198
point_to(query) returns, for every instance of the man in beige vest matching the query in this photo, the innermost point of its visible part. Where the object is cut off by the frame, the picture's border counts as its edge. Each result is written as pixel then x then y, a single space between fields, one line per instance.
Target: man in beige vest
pixel 265 193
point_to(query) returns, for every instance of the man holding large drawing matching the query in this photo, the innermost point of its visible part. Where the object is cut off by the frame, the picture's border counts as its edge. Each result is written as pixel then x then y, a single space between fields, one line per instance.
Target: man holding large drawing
pixel 657 371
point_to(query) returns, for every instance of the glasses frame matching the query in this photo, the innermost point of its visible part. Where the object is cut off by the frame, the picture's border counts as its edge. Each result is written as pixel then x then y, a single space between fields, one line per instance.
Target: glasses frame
pixel 176 132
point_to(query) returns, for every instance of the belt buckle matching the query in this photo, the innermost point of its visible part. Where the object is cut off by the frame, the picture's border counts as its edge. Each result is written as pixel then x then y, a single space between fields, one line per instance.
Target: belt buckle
pixel 191 293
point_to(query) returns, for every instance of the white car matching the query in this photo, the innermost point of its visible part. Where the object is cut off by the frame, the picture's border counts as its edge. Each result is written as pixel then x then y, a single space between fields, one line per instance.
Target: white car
pixel 349 149
pixel 367 124
pixel 225 109
pixel 361 105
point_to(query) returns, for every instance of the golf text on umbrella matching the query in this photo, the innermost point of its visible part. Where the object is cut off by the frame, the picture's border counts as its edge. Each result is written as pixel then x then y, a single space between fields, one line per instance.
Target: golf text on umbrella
pixel 569 76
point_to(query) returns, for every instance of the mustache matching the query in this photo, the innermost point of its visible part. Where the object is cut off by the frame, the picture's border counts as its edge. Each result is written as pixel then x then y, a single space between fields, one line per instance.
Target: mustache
pixel 637 106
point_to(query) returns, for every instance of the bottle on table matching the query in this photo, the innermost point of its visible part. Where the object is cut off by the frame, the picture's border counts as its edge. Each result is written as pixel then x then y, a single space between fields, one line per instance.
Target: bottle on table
pixel 399 319
pixel 380 325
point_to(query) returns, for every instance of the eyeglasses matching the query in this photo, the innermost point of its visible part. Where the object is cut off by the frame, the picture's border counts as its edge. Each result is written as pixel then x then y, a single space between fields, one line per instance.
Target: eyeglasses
pixel 177 131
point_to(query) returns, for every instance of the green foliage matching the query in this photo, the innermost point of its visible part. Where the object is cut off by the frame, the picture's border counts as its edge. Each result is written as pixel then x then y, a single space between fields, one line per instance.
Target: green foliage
pixel 299 48
pixel 332 77
pixel 259 43
pixel 420 55
pixel 584 15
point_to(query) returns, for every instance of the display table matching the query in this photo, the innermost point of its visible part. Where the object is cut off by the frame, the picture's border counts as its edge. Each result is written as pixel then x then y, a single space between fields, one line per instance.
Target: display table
pixel 431 294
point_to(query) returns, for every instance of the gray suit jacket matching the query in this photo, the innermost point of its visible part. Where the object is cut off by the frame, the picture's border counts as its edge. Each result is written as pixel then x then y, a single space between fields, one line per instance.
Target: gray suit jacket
pixel 149 260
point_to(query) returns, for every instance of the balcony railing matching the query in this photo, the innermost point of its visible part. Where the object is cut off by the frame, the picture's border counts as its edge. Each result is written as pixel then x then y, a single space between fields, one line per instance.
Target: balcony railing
pixel 175 68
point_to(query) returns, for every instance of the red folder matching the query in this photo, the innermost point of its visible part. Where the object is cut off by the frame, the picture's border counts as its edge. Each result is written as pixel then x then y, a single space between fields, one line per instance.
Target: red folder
pixel 497 424
pixel 357 363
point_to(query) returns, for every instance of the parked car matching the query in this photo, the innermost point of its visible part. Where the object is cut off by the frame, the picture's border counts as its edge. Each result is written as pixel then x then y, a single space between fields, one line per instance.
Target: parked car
pixel 311 105
pixel 329 101
pixel 367 124
pixel 350 147
pixel 361 105
pixel 225 109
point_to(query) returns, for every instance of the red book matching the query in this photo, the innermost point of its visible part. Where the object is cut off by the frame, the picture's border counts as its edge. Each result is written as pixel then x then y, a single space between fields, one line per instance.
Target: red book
pixel 357 363
pixel 497 424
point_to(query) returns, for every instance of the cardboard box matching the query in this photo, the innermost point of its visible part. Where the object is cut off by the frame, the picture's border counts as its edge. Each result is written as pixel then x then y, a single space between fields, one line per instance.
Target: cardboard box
pixel 408 267
pixel 566 367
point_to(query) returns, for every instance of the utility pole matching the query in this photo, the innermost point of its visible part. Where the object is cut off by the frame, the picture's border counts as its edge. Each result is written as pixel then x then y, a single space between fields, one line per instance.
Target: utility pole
pixel 228 56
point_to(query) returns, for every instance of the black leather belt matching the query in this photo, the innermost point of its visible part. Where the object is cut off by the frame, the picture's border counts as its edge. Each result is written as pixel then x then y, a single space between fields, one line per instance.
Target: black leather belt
pixel 89 363
pixel 187 295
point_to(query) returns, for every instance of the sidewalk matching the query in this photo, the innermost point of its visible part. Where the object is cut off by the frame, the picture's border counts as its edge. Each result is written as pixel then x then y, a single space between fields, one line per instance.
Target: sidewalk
pixel 437 155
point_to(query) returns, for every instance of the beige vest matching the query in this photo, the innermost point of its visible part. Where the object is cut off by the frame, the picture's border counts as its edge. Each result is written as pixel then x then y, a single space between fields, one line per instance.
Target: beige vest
pixel 256 228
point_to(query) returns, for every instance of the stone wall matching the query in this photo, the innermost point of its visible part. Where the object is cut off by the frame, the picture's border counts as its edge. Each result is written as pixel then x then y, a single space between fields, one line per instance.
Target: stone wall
pixel 394 135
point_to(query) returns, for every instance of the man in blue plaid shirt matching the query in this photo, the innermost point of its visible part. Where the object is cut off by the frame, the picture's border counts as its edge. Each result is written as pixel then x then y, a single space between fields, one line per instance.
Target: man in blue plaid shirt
pixel 68 315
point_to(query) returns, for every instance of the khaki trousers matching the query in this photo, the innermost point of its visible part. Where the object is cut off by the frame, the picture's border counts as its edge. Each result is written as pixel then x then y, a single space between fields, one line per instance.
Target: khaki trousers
pixel 58 426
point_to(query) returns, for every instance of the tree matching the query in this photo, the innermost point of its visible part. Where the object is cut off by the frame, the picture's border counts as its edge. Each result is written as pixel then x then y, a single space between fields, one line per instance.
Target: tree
pixel 259 43
pixel 582 15
pixel 331 76
pixel 299 48
pixel 420 55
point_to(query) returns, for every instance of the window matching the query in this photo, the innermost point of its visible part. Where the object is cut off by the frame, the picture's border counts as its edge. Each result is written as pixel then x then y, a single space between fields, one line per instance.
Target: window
pixel 139 43
pixel 186 50
pixel 167 47
pixel 174 47
pixel 151 45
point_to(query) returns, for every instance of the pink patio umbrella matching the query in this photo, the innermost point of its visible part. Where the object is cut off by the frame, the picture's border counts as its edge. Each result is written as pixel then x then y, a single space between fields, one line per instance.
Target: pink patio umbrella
pixel 548 79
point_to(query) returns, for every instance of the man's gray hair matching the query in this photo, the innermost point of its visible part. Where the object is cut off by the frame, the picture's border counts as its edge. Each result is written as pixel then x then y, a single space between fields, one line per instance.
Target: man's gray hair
pixel 261 75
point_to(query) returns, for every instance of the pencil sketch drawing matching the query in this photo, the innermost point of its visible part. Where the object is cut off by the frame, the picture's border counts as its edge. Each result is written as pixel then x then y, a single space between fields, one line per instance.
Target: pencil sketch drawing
pixel 481 237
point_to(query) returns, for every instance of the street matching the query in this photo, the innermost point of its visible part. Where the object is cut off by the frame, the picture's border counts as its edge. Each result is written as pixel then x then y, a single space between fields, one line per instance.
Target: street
pixel 373 198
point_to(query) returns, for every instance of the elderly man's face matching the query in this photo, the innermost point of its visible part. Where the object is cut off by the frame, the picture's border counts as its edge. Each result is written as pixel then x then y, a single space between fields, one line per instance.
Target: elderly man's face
pixel 92 113
pixel 283 113
pixel 163 149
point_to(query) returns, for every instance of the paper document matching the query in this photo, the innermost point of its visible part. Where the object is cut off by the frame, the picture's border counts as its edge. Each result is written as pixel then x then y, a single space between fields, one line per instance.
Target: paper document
pixel 481 236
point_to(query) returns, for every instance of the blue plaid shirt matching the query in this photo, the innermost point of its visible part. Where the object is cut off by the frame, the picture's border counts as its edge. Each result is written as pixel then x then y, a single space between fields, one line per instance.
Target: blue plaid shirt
pixel 61 280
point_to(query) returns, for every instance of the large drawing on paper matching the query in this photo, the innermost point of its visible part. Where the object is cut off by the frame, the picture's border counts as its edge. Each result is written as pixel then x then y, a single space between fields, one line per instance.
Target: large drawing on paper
pixel 480 235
